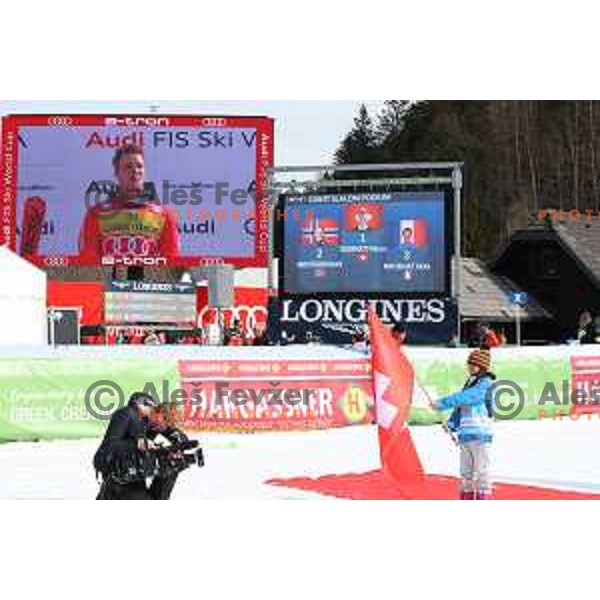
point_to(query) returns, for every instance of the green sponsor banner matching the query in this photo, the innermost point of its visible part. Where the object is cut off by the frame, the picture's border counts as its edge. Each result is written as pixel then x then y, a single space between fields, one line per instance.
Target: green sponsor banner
pixel 44 398
pixel 446 374
pixel 532 374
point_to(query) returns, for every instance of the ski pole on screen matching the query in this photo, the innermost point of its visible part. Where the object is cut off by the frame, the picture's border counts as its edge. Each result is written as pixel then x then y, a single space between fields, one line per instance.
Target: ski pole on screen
pixel 34 213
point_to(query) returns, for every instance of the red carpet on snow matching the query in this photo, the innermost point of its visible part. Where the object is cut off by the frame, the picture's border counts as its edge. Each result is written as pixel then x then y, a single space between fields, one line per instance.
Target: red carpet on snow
pixel 376 485
pixel 402 476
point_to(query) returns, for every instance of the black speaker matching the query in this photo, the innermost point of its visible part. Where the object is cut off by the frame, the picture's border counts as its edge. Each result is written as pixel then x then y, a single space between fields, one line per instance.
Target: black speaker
pixel 65 325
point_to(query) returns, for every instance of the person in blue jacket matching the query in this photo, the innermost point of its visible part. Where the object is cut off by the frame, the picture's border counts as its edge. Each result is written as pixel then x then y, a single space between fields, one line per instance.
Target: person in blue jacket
pixel 471 420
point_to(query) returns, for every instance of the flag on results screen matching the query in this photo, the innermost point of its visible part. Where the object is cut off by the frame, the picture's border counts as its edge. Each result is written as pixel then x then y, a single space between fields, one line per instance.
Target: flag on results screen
pixel 393 382
pixel 363 217
pixel 413 231
pixel 317 231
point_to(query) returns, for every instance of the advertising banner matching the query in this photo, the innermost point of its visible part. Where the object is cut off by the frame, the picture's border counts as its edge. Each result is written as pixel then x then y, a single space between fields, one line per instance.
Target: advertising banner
pixel 47 398
pixel 585 382
pixel 277 394
pixel 336 320
pixel 532 372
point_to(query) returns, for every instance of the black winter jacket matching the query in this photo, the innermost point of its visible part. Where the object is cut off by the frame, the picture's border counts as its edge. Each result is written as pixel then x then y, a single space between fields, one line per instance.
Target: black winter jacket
pixel 126 427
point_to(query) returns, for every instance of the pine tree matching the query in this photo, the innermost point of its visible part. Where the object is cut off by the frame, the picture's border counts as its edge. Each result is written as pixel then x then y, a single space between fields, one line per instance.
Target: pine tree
pixel 391 120
pixel 360 145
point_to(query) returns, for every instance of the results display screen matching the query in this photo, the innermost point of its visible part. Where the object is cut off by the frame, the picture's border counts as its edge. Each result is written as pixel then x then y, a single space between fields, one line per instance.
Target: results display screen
pixel 127 302
pixel 359 243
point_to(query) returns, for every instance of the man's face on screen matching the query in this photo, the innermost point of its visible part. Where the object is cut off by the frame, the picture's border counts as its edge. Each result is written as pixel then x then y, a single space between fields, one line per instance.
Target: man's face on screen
pixel 130 174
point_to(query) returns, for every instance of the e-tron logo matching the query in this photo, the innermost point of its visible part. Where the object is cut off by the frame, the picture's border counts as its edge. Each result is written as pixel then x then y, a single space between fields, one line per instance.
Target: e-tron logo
pixel 141 261
pixel 137 121
pixel 214 122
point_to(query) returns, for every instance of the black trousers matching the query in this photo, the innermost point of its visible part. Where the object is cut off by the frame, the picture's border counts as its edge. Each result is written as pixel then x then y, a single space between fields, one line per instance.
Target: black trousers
pixel 160 489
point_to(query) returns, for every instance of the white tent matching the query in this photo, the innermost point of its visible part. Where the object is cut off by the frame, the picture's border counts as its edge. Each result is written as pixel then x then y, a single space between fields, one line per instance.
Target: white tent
pixel 22 302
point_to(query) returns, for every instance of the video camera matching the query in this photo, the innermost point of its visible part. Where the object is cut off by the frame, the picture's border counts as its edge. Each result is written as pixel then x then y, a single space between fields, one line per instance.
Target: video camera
pixel 177 456
pixel 161 461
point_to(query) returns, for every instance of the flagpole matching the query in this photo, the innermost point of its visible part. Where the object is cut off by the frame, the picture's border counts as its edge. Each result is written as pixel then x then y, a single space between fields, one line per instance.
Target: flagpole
pixel 431 403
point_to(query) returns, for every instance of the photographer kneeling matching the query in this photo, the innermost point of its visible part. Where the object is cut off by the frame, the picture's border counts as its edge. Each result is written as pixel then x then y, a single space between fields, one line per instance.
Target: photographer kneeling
pixel 128 457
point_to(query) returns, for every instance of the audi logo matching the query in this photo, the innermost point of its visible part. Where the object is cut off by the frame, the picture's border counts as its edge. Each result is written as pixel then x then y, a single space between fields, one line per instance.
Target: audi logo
pixel 246 315
pixel 56 261
pixel 207 262
pixel 214 122
pixel 60 121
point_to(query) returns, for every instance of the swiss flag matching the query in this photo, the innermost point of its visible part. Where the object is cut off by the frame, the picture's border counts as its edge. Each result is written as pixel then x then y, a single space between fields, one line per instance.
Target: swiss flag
pixel 363 217
pixel 393 382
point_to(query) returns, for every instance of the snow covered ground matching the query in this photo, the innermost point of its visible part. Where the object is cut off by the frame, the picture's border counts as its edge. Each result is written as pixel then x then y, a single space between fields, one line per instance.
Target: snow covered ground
pixel 558 454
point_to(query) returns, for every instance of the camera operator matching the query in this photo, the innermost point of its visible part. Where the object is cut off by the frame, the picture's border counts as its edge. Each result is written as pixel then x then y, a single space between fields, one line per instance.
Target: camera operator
pixel 124 457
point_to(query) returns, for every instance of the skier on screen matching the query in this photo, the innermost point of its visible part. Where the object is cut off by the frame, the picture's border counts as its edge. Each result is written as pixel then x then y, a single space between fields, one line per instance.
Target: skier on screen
pixel 127 225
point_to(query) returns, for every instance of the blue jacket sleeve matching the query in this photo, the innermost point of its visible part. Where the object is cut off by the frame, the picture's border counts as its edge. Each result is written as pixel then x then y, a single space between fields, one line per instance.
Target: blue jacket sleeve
pixel 468 397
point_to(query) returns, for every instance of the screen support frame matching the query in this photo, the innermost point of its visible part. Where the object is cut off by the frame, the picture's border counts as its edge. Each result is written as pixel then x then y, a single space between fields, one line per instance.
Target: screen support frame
pixel 439 173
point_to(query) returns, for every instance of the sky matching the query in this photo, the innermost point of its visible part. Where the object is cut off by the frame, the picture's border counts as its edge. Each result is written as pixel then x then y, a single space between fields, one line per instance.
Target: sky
pixel 307 132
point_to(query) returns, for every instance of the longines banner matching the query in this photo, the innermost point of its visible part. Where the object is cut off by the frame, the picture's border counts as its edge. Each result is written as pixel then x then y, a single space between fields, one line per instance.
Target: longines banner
pixel 427 320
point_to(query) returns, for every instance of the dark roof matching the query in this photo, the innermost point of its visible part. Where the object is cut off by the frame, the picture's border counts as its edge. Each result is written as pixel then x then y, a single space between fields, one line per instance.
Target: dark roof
pixel 580 238
pixel 486 296
pixel 583 239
